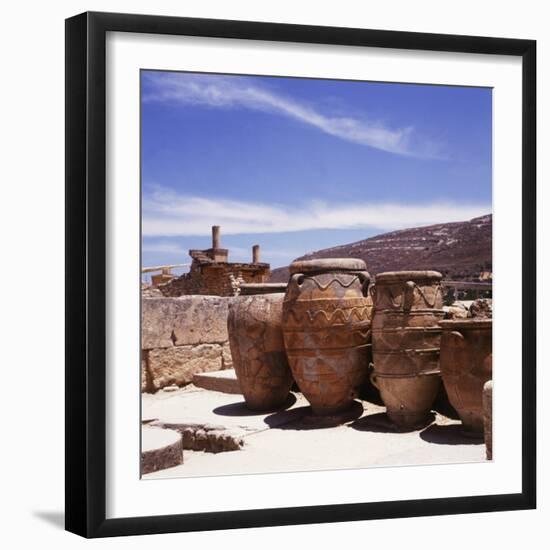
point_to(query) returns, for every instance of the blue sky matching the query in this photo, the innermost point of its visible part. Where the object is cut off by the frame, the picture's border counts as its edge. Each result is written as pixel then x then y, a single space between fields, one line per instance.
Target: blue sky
pixel 297 165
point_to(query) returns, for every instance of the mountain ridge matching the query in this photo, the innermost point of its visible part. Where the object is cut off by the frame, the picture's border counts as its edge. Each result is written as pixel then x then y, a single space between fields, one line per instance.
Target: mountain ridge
pixel 459 250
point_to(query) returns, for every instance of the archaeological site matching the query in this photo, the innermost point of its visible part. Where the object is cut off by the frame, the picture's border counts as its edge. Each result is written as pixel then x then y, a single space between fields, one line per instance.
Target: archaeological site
pixel 326 364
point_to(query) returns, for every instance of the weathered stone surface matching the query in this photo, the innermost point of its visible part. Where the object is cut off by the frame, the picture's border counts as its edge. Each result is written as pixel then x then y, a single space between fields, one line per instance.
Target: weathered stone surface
pixel 151 292
pixel 482 308
pixel 224 381
pixel 227 359
pixel 211 274
pixel 457 310
pixel 144 373
pixel 211 439
pixel 168 322
pixel 178 364
pixel 160 449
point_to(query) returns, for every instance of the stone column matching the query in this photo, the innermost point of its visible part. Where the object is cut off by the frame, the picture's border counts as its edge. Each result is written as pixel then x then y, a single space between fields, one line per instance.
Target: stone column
pixel 256 254
pixel 216 236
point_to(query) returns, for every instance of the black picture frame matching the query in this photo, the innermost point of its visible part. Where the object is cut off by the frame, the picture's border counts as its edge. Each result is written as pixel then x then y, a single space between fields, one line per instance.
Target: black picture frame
pixel 86 275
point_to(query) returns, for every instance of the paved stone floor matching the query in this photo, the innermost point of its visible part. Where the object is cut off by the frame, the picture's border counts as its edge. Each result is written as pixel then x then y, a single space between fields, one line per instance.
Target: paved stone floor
pixel 293 440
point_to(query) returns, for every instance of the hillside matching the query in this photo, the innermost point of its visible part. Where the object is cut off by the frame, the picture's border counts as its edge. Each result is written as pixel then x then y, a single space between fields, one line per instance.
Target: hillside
pixel 459 250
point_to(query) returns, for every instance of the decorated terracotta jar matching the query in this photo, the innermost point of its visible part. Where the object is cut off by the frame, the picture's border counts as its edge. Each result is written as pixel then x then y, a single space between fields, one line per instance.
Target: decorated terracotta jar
pixel 257 350
pixel 466 364
pixel 326 327
pixel 408 306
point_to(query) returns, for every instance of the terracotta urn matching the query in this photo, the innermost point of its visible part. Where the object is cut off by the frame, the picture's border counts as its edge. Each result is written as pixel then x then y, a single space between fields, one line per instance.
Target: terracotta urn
pixel 408 306
pixel 466 364
pixel 257 350
pixel 326 327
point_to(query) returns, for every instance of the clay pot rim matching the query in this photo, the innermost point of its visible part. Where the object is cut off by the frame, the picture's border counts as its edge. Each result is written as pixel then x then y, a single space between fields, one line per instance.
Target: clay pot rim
pixel 451 324
pixel 327 264
pixel 400 276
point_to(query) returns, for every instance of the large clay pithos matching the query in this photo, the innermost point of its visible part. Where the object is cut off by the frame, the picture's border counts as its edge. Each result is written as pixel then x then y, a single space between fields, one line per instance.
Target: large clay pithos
pixel 408 306
pixel 326 326
pixel 466 364
pixel 257 350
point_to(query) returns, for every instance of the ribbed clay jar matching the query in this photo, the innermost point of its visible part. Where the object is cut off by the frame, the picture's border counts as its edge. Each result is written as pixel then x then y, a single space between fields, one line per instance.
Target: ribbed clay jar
pixel 466 364
pixel 257 350
pixel 408 306
pixel 326 327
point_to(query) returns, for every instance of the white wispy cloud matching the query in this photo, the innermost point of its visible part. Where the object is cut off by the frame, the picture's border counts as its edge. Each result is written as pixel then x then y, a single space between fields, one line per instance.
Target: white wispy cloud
pixel 229 92
pixel 168 214
pixel 163 247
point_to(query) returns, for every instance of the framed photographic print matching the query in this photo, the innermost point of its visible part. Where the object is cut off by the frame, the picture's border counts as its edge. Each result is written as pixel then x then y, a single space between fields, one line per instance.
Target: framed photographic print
pixel 299 259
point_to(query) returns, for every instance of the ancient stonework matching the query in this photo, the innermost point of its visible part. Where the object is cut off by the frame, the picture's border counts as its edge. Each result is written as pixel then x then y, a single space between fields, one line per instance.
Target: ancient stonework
pixel 205 437
pixel 146 385
pixel 456 310
pixel 482 309
pixel 181 337
pixel 168 322
pixel 160 449
pixel 212 274
pixel 178 364
pixel 215 278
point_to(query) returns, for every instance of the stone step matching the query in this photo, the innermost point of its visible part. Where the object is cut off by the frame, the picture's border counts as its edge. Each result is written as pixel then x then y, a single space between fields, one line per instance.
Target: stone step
pixel 160 449
pixel 224 381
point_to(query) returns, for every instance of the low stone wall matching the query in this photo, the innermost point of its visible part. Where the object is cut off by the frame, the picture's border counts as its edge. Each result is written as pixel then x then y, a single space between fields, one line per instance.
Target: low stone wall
pixel 180 337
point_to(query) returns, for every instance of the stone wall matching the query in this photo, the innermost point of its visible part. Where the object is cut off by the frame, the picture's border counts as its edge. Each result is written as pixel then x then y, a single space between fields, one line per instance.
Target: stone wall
pixel 180 337
pixel 215 279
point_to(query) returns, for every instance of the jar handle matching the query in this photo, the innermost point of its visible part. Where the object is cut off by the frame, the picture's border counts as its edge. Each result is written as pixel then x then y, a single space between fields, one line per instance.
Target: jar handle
pixel 372 291
pixel 408 297
pixel 297 278
pixel 373 380
pixel 364 279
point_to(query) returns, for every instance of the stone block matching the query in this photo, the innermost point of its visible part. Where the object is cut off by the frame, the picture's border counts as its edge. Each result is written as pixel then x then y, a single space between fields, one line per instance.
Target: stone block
pixel 168 322
pixel 227 359
pixel 144 374
pixel 482 308
pixel 178 364
pixel 224 381
pixel 457 310
pixel 160 449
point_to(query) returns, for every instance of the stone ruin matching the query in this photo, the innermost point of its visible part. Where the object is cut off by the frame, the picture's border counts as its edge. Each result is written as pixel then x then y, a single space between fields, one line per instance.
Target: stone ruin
pixel 211 273
pixel 187 334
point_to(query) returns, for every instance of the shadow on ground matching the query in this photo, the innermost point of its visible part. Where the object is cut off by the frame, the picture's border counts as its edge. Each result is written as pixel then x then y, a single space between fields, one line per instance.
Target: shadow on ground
pixel 302 418
pixel 380 423
pixel 451 434
pixel 57 519
pixel 443 406
pixel 240 408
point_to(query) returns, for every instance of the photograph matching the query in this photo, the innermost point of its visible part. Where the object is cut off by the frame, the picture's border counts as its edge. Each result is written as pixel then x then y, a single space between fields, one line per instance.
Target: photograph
pixel 316 274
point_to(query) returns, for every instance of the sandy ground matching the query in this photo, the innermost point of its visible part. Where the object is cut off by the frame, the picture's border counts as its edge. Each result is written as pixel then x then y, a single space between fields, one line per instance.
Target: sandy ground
pixel 293 440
